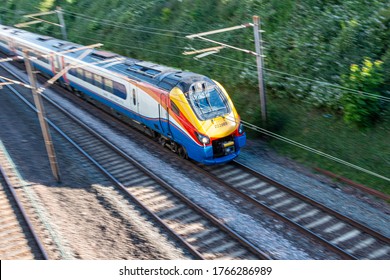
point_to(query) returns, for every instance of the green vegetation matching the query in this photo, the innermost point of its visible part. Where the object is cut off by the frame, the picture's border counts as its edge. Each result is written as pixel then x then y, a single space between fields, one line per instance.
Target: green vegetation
pixel 368 148
pixel 358 108
pixel 314 50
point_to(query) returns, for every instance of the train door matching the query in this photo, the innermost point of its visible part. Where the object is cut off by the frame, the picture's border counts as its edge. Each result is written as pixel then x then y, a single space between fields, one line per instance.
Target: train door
pixel 56 64
pixel 62 63
pixel 134 102
pixel 163 112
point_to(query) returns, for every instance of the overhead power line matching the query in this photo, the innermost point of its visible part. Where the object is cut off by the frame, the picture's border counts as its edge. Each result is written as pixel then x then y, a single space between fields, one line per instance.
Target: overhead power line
pixel 122 25
pixel 140 28
pixel 305 147
pixel 145 29
pixel 320 153
pixel 280 74
pixel 137 28
pixel 296 77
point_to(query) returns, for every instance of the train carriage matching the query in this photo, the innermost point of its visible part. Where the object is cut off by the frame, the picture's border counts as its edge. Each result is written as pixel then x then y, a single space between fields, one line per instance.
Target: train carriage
pixel 190 113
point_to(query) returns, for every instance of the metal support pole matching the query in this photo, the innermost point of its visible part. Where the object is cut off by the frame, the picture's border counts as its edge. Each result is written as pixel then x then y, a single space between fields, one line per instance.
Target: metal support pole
pixel 260 71
pixel 42 117
pixel 62 22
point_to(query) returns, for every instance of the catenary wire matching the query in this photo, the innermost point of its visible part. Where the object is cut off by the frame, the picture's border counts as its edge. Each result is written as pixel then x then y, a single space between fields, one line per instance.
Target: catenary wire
pixel 279 137
pixel 281 74
pixel 122 25
pixel 296 77
pixel 305 147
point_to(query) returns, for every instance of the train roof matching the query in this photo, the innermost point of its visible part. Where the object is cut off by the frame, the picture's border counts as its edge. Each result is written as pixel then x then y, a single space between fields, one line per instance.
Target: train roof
pixel 149 72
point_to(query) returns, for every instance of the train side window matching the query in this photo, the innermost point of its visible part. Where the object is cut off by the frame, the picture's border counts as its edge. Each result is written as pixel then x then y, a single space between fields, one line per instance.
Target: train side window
pixel 88 77
pixel 56 65
pixel 80 73
pixel 45 60
pixel 98 80
pixel 120 90
pixel 134 98
pixel 72 72
pixel 175 109
pixel 108 85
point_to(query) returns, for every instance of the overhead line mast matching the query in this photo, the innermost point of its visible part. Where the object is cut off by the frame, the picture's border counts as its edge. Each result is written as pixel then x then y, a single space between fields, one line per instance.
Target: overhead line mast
pixel 36 20
pixel 42 118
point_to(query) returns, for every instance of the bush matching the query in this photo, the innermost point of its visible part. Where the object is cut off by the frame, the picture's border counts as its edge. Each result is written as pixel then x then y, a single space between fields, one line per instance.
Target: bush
pixel 359 106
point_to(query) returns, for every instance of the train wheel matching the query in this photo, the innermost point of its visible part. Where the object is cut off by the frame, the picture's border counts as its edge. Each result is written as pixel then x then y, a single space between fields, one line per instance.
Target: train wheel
pixel 162 141
pixel 174 147
pixel 182 152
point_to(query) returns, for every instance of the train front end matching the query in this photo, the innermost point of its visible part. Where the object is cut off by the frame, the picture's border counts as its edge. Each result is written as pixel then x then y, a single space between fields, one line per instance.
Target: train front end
pixel 216 131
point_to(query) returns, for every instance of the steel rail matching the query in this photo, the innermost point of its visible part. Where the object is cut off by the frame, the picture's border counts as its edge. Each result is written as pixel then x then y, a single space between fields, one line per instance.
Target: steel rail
pixel 276 214
pixel 22 210
pixel 162 182
pixel 247 244
pixel 319 205
pixel 101 168
pixel 302 229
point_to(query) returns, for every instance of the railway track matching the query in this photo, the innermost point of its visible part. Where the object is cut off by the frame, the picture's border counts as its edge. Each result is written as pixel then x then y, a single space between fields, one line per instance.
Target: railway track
pixel 347 237
pixel 18 239
pixel 199 232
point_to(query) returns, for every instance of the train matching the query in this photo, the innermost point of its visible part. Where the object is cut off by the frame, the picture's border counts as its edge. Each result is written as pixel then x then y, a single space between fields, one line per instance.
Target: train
pixel 190 113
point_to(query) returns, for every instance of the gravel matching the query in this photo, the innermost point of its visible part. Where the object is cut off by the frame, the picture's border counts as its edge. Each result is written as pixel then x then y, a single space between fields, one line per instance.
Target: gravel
pixel 268 234
pixel 90 219
pixel 353 203
pixel 257 231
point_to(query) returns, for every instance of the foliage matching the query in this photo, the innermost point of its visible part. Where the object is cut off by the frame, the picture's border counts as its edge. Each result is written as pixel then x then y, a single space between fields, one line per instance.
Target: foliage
pixel 327 132
pixel 315 39
pixel 46 5
pixel 309 46
pixel 359 108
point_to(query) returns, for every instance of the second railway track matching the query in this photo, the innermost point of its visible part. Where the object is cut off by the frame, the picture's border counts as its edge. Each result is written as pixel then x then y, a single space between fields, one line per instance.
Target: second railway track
pixel 18 239
pixel 345 236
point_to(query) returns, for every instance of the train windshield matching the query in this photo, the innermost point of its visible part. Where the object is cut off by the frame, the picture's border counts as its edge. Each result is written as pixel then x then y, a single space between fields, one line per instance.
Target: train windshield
pixel 207 101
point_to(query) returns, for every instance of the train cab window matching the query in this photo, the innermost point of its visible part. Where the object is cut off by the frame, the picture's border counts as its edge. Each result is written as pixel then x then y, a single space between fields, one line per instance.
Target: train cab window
pixel 175 109
pixel 108 85
pixel 134 98
pixel 207 101
pixel 88 77
pixel 119 90
pixel 98 80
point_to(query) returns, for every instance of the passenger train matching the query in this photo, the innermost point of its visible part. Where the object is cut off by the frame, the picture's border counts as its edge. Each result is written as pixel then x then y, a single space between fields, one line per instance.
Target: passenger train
pixel 190 113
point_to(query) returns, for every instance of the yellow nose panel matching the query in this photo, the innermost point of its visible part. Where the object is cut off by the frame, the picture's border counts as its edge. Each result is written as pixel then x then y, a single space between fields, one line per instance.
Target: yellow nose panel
pixel 220 127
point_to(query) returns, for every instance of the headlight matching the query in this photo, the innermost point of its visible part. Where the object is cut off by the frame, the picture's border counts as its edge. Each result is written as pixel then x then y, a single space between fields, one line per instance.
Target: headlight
pixel 203 138
pixel 241 128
